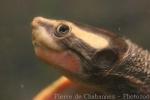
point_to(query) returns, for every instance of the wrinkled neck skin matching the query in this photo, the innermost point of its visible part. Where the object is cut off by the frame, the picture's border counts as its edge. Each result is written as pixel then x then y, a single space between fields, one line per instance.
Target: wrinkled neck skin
pixel 131 74
pixel 135 67
pixel 136 63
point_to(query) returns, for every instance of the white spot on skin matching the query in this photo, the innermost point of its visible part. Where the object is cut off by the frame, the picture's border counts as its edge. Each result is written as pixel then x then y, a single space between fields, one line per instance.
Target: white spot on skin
pixel 119 28
pixel 95 41
pixel 22 86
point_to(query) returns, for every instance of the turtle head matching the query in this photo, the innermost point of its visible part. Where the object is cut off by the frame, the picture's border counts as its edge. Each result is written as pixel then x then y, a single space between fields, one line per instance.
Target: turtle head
pixel 80 51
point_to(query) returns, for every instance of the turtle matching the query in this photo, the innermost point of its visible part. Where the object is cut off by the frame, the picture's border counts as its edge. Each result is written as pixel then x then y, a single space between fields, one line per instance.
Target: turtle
pixel 96 64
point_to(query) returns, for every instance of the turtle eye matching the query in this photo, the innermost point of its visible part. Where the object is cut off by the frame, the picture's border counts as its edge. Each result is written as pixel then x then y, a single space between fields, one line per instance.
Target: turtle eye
pixel 62 30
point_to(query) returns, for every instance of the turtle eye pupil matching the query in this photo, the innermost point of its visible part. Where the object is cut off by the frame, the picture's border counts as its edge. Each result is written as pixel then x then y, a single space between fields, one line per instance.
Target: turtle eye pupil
pixel 62 30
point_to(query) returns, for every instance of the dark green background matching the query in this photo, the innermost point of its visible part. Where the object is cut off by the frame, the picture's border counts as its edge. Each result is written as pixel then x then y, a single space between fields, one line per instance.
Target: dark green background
pixel 22 75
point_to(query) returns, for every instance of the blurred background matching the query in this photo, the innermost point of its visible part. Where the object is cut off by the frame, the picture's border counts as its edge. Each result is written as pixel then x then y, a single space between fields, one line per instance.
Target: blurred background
pixel 22 75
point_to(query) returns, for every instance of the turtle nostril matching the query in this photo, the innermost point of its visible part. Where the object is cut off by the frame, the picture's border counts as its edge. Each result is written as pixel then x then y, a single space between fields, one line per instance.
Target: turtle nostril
pixel 36 21
pixel 41 22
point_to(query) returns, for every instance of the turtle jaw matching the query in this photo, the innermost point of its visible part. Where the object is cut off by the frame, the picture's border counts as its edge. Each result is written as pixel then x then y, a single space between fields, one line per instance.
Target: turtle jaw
pixel 63 61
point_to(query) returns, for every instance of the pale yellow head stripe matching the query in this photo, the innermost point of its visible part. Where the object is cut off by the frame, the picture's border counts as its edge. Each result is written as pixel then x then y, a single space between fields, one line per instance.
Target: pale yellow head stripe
pixel 95 41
